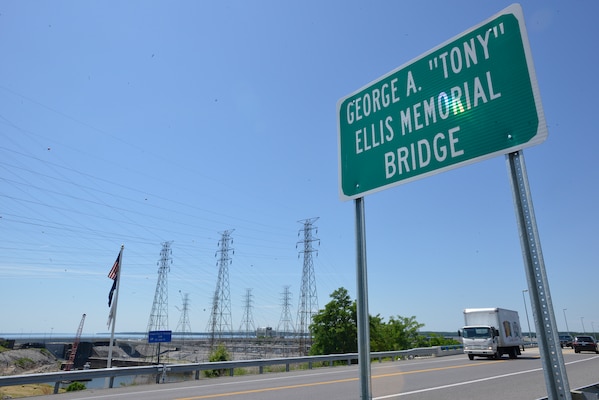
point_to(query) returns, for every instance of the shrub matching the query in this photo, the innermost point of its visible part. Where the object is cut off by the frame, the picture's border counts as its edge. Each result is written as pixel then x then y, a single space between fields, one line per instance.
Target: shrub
pixel 24 362
pixel 220 353
pixel 75 386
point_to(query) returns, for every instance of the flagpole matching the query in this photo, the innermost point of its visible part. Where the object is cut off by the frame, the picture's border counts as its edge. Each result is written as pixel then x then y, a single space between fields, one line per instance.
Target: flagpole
pixel 114 308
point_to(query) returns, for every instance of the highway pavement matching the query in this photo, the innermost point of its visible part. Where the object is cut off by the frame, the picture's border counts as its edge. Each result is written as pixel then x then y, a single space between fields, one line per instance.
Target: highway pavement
pixel 446 378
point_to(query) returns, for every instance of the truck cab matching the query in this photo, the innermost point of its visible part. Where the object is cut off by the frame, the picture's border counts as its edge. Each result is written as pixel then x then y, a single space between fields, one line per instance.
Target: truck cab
pixel 480 341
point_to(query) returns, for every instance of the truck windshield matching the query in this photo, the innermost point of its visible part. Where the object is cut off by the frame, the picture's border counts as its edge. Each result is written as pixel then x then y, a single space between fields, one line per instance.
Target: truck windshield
pixel 477 332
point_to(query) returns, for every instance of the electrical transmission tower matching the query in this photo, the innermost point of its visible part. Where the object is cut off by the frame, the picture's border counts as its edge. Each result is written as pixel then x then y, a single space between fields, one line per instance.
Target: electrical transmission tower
pixel 247 327
pixel 220 322
pixel 308 301
pixel 184 327
pixel 159 315
pixel 285 326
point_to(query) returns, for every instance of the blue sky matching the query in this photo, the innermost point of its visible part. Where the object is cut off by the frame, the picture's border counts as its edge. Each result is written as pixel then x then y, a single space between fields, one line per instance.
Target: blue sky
pixel 134 123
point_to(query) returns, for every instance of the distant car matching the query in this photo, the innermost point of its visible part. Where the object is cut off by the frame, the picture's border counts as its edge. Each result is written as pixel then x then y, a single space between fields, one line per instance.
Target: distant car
pixel 584 343
pixel 565 340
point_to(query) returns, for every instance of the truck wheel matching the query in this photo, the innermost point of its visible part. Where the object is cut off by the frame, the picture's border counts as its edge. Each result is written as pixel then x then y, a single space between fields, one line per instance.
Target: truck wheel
pixel 470 357
pixel 497 356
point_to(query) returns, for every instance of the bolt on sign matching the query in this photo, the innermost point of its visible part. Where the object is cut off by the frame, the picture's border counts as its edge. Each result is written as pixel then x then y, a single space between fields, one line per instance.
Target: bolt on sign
pixel 471 98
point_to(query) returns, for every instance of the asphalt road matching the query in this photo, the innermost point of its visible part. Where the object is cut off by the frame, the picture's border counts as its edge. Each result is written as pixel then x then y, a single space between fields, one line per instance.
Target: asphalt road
pixel 446 378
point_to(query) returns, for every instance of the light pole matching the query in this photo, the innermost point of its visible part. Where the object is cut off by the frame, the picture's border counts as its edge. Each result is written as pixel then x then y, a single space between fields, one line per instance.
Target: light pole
pixel 593 326
pixel 582 322
pixel 527 320
pixel 566 319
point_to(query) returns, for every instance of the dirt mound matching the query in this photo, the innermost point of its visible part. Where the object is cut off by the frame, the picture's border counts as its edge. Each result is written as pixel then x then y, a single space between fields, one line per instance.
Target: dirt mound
pixel 102 351
pixel 27 361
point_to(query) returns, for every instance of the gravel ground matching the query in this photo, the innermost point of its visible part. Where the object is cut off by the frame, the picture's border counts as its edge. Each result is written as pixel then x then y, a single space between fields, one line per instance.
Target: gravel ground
pixel 27 361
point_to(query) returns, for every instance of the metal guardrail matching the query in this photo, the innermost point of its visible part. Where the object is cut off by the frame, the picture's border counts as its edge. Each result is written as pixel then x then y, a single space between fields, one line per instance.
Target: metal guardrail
pixel 161 370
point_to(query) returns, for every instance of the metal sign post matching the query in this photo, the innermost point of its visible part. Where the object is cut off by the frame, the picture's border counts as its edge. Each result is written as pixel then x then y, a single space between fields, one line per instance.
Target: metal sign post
pixel 160 337
pixel 552 359
pixel 362 302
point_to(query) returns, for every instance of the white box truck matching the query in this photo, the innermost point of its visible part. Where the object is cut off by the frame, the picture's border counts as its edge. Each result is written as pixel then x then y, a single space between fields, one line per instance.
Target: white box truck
pixel 491 332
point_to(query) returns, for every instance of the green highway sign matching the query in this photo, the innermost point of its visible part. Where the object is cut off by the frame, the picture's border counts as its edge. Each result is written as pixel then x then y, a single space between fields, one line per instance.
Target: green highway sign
pixel 471 98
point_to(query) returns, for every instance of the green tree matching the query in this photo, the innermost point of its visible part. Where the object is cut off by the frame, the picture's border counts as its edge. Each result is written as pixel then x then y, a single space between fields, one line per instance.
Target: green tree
pixel 402 333
pixel 378 339
pixel 334 329
pixel 434 339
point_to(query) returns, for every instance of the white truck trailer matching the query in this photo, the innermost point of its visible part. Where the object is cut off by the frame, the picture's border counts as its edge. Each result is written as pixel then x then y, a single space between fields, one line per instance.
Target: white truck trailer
pixel 491 332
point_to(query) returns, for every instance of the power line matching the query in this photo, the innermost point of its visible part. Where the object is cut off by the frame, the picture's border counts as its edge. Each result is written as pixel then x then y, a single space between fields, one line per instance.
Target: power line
pixel 184 327
pixel 308 302
pixel 285 326
pixel 220 322
pixel 158 320
pixel 247 326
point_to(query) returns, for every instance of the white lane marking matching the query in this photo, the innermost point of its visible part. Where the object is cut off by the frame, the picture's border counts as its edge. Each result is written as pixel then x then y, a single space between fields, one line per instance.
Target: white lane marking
pixel 390 396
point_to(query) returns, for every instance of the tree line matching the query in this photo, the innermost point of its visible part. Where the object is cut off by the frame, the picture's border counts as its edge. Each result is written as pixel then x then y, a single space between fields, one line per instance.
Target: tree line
pixel 334 329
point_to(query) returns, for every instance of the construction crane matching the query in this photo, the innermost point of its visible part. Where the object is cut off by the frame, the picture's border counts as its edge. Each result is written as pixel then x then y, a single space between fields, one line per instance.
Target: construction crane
pixel 71 361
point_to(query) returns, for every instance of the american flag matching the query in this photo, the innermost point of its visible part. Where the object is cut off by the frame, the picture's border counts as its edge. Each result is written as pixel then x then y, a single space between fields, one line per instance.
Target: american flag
pixel 113 275
pixel 115 268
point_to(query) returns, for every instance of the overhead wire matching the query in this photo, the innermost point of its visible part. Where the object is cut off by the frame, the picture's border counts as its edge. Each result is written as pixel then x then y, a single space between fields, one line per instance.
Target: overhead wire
pixel 129 217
